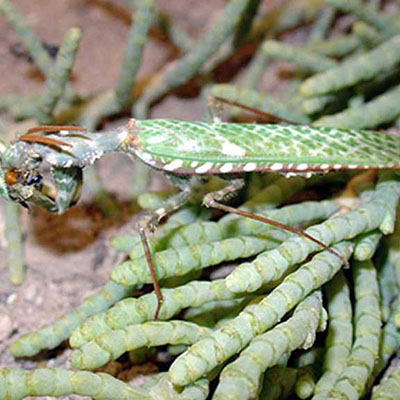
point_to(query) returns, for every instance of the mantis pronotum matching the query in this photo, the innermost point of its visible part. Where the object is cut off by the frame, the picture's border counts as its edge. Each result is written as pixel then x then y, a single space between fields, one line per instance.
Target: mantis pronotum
pixel 188 152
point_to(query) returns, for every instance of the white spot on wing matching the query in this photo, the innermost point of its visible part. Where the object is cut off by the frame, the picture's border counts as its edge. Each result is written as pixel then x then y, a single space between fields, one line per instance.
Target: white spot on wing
pixel 204 168
pixel 146 157
pixel 337 166
pixel 156 139
pixel 188 145
pixel 194 164
pixel 302 167
pixel 250 167
pixel 226 167
pixel 276 166
pixel 231 149
pixel 324 166
pixel 173 165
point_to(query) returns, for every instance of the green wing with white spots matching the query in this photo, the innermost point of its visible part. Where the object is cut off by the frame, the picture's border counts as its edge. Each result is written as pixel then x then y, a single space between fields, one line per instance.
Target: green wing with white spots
pixel 199 147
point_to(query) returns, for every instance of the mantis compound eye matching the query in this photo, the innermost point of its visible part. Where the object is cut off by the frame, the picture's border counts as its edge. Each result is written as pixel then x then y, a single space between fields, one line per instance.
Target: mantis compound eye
pixel 26 178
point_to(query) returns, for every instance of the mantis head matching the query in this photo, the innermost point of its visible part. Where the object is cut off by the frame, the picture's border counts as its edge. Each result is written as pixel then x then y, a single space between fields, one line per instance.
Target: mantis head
pixel 22 180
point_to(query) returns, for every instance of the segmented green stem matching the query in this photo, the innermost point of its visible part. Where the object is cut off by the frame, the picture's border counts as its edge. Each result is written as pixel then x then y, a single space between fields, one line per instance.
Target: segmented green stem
pixel 389 344
pixel 181 260
pixel 302 57
pixel 159 240
pixel 367 318
pixel 316 104
pixel 189 64
pixel 278 383
pixel 367 34
pixel 380 110
pixel 137 37
pixel 309 373
pixel 51 336
pixel 259 101
pixel 366 245
pixel 241 378
pixel 174 32
pixel 357 69
pixel 394 255
pixel 58 76
pixel 388 285
pixel 374 18
pixel 389 388
pixel 164 390
pixel 324 21
pixel 111 345
pixel 16 384
pixel 175 233
pixel 206 354
pixel 272 264
pixel 339 46
pixel 246 21
pixel 340 335
pixel 138 310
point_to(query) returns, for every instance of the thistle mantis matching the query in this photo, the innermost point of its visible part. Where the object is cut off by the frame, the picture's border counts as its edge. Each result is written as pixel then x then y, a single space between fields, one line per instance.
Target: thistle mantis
pixel 187 152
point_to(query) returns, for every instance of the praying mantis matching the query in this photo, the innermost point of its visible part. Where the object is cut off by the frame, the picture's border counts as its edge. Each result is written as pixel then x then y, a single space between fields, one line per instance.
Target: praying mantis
pixel 188 153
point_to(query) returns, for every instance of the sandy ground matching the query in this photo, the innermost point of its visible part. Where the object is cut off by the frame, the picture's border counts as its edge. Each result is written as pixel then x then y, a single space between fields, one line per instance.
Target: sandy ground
pixel 62 253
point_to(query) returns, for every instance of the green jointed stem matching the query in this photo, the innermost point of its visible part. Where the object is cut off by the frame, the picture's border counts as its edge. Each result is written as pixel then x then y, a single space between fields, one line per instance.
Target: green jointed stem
pixel 369 36
pixel 382 109
pixel 206 354
pixel 387 281
pixel 254 238
pixel 312 105
pixel 378 20
pixel 141 21
pixel 339 46
pixel 112 345
pixel 164 390
pixel 302 57
pixel 214 313
pixel 16 384
pixel 366 245
pixel 230 226
pixel 246 21
pixel 241 378
pixel 394 255
pixel 50 336
pixel 360 68
pixel 389 389
pixel 307 377
pixel 189 64
pixel 13 236
pixel 259 101
pixel 138 310
pixel 182 260
pixel 367 319
pixel 271 265
pixel 278 383
pixel 159 240
pixel 175 33
pixel 58 76
pixel 323 23
pixel 389 344
pixel 340 335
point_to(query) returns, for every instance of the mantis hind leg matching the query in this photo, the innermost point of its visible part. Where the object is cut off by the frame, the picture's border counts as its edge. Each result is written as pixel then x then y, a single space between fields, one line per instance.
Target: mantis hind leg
pixel 213 199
